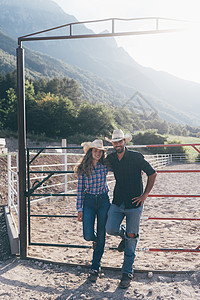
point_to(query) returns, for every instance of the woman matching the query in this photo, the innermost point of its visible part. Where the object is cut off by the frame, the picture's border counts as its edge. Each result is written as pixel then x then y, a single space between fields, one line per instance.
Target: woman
pixel 93 200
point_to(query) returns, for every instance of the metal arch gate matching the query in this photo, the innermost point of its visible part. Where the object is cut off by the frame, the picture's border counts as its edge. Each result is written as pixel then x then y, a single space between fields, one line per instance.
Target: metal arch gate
pixel 31 192
pixel 21 99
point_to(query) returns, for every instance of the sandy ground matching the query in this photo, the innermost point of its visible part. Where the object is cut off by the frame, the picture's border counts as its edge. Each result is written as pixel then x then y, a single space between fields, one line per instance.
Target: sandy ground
pixel 38 279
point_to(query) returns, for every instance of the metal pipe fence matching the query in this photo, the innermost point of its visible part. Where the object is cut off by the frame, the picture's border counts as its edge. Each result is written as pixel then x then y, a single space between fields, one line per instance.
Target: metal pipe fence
pixel 63 180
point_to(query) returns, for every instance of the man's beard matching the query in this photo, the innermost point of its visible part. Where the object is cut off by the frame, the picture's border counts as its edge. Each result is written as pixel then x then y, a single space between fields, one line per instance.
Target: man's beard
pixel 119 149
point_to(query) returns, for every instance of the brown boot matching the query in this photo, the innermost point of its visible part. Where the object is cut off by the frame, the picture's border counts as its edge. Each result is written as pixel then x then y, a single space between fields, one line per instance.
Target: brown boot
pixel 125 280
pixel 93 275
pixel 121 246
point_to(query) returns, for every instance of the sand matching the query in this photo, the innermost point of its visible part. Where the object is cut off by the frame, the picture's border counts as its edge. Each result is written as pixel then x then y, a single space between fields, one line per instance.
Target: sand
pixel 61 273
pixel 36 280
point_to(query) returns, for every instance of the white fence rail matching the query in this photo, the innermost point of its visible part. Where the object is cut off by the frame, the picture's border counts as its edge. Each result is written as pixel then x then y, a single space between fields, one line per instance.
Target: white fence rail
pixel 62 181
pixel 13 192
pixel 66 183
pixel 186 158
pixel 3 149
pixel 159 160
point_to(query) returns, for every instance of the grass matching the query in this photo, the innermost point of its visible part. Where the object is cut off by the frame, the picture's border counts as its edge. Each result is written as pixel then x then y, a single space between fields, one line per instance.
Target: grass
pixel 185 140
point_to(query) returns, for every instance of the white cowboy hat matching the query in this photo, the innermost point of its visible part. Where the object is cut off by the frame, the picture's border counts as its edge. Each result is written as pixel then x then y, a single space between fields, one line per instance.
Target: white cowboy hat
pixel 97 144
pixel 118 135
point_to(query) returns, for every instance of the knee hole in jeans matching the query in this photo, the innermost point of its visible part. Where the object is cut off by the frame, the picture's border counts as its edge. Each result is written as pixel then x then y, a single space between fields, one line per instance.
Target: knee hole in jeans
pixel 132 235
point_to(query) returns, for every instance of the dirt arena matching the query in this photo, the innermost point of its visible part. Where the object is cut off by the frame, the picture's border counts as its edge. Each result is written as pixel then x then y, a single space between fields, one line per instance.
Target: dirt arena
pixel 176 275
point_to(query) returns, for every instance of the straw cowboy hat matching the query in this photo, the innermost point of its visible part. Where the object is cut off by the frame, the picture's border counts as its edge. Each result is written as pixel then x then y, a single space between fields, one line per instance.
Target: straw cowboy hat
pixel 118 135
pixel 97 144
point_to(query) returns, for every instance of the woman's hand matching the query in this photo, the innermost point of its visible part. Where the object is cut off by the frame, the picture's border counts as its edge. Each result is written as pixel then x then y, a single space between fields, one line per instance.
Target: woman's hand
pixel 80 216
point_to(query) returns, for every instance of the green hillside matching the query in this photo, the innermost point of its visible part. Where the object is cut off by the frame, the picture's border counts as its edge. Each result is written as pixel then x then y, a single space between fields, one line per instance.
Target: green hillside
pixel 38 65
pixel 186 140
pixel 104 71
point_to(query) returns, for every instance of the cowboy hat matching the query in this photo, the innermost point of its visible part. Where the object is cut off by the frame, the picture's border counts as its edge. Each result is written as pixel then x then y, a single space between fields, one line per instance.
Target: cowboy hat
pixel 118 135
pixel 97 144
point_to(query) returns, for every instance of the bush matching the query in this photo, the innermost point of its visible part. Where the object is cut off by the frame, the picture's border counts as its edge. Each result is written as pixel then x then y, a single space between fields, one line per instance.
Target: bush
pixel 197 159
pixel 152 138
pixel 149 137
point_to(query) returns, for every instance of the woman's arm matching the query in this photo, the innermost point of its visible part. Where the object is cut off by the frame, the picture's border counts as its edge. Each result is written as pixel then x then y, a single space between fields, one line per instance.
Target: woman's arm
pixel 79 202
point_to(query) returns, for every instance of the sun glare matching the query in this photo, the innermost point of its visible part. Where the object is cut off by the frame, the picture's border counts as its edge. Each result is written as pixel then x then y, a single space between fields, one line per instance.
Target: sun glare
pixel 176 53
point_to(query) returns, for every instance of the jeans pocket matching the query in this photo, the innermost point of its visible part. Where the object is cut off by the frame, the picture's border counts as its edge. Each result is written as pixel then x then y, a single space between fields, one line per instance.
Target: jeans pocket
pixel 88 200
pixel 105 201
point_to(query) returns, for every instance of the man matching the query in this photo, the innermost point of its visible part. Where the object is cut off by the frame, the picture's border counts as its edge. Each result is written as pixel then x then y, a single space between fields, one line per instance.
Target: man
pixel 128 198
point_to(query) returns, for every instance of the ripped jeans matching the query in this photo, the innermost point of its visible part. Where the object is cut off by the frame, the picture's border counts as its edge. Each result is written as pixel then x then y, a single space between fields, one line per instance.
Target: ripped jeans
pixel 116 214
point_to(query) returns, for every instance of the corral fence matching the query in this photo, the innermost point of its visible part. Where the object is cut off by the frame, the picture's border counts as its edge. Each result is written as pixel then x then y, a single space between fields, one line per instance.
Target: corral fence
pixel 61 171
pixel 157 28
pixel 50 181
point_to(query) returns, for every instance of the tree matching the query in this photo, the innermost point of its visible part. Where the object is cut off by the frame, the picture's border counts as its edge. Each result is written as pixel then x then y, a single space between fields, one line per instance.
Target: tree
pixel 157 123
pixel 95 120
pixel 8 110
pixel 52 115
pixel 6 82
pixel 64 87
pixel 150 137
pixel 123 118
pixel 69 88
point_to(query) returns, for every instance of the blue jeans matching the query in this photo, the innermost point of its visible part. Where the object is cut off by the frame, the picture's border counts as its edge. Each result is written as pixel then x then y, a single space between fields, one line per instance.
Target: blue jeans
pixel 95 206
pixel 116 215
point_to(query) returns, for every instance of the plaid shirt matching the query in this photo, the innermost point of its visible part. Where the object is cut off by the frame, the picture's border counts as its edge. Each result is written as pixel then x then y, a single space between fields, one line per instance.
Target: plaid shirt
pixel 95 184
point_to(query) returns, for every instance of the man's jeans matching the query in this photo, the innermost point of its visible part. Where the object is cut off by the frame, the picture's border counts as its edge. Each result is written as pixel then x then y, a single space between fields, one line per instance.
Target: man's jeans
pixel 116 215
pixel 95 205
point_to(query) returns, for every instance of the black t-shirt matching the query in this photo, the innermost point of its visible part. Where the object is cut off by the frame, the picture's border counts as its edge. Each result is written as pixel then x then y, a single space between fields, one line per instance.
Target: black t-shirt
pixel 128 175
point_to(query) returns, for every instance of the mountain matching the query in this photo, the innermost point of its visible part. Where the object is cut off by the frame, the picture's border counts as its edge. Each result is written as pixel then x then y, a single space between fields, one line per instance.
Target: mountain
pixel 38 65
pixel 104 70
pixel 99 56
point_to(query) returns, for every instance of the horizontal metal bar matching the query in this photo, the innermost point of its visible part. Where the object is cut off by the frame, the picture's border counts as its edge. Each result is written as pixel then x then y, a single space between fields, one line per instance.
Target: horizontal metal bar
pixel 177 219
pixel 51 172
pixel 54 148
pixel 51 195
pixel 160 271
pixel 59 245
pixel 173 250
pixel 170 145
pixel 167 196
pixel 114 248
pixel 97 35
pixel 142 218
pixel 53 216
pixel 103 20
pixel 179 196
pixel 178 171
pixel 163 249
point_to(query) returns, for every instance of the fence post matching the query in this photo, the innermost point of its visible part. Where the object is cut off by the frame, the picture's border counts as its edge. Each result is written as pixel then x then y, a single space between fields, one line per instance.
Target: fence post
pixel 64 151
pixel 21 151
pixel 9 181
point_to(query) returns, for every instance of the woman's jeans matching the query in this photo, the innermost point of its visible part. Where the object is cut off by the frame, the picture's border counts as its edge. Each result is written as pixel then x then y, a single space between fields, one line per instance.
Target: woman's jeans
pixel 116 215
pixel 95 205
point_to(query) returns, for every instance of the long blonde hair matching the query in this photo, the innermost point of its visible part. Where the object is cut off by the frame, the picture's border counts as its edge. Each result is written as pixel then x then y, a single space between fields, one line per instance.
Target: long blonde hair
pixel 85 165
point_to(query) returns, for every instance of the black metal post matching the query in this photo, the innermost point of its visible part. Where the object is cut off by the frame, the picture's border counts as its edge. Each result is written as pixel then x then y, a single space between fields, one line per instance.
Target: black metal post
pixel 22 211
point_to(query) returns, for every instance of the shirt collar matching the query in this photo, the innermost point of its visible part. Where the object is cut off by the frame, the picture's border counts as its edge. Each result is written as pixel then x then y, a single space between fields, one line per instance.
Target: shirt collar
pixel 125 154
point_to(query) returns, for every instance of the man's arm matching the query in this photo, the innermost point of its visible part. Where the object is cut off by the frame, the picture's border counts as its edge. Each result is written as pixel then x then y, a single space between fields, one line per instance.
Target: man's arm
pixel 150 183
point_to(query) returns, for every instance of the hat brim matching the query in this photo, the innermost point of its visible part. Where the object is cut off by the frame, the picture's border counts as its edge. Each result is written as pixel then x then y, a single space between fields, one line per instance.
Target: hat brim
pixel 127 138
pixel 87 146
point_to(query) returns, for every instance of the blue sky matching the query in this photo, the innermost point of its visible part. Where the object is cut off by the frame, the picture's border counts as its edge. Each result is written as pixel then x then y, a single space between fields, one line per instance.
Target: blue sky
pixel 175 53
